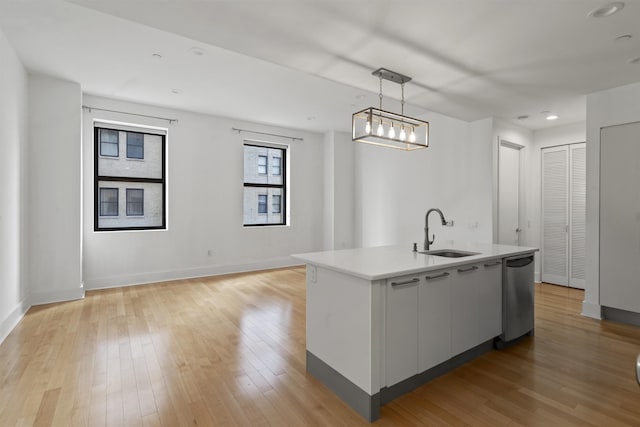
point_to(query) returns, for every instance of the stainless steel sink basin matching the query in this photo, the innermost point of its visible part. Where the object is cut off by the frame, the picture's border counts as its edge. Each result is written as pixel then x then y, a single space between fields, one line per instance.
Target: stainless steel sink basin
pixel 449 253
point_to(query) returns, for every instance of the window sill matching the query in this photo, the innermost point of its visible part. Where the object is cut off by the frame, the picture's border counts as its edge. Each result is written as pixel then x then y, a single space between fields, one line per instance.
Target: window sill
pixel 264 225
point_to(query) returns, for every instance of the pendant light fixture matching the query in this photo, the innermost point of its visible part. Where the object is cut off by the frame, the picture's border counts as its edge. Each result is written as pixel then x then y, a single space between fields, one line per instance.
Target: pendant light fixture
pixel 379 127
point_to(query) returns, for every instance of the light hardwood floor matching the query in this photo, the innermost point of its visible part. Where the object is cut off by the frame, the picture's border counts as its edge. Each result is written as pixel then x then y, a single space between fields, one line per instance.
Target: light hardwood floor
pixel 230 350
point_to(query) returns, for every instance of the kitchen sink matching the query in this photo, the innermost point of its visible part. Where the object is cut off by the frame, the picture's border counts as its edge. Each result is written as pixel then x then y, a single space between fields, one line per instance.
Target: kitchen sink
pixel 449 253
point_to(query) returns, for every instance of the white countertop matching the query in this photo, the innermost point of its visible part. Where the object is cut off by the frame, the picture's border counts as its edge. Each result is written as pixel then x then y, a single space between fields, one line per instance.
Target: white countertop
pixel 382 262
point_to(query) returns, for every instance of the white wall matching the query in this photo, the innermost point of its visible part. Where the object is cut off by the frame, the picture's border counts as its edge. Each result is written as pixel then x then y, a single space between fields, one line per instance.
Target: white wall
pixel 394 189
pixel 205 176
pixel 55 267
pixel 13 186
pixel 329 191
pixel 606 108
pixel 338 189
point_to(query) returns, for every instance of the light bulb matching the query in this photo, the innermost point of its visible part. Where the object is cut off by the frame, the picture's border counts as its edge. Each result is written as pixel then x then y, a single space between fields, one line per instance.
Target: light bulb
pixel 367 128
pixel 403 134
pixel 392 131
pixel 412 136
pixel 380 131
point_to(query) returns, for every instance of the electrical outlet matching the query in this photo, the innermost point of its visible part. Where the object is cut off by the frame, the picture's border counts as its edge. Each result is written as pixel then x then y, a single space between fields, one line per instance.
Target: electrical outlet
pixel 449 223
pixel 209 252
pixel 312 273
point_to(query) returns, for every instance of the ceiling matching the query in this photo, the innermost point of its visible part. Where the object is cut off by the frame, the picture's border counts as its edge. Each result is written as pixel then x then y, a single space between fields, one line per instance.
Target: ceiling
pixel 307 63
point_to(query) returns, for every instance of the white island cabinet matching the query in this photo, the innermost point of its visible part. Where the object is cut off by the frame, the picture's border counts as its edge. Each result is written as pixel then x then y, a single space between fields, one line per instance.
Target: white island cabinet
pixel 434 319
pixel 401 324
pixel 382 321
pixel 476 304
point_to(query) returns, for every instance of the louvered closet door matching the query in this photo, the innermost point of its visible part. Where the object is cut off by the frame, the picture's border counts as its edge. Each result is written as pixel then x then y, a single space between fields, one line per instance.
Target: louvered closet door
pixel 555 209
pixel 577 224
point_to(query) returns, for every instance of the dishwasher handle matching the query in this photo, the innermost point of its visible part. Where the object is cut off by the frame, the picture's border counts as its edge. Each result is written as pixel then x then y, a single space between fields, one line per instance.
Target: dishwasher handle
pixel 519 262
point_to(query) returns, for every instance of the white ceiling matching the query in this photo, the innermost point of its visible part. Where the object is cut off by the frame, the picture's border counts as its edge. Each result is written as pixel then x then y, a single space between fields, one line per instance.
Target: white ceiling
pixel 307 63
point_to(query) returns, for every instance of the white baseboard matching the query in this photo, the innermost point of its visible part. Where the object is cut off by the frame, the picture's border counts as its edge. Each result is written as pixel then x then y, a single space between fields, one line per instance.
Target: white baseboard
pixel 591 310
pixel 7 325
pixel 163 276
pixel 48 297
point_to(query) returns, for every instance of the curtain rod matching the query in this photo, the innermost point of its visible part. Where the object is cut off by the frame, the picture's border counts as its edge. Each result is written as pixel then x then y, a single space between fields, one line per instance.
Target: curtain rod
pixel 292 138
pixel 131 114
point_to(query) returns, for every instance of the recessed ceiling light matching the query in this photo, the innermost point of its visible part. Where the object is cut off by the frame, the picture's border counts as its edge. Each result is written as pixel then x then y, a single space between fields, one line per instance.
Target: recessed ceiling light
pixel 523 117
pixel 551 117
pixel 607 10
pixel 156 56
pixel 175 91
pixel 623 38
pixel 197 51
pixel 634 60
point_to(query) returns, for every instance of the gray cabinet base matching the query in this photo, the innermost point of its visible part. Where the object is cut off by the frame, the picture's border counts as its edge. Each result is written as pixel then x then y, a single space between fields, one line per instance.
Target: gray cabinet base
pixel 387 394
pixel 359 400
pixel 622 316
pixel 369 406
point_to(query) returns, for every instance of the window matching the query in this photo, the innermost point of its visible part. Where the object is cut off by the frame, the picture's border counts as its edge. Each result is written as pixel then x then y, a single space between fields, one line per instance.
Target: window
pixel 264 187
pixel 262 165
pixel 135 145
pixel 130 195
pixel 275 202
pixel 276 168
pixel 108 201
pixel 262 203
pixel 109 140
pixel 135 201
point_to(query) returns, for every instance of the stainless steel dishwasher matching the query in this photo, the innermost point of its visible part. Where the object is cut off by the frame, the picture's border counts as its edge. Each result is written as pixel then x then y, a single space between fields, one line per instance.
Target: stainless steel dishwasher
pixel 517 297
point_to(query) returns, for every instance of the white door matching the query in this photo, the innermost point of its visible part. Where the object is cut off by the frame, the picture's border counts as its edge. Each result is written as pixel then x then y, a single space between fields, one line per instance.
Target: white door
pixel 508 193
pixel 555 215
pixel 563 215
pixel 620 217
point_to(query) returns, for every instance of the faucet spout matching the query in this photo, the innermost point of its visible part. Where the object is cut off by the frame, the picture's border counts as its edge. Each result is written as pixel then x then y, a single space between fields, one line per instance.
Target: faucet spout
pixel 427 242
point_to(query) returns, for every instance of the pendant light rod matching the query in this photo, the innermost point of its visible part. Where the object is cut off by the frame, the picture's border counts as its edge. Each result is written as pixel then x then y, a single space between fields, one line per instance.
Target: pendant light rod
pixel 392 76
pixel 380 94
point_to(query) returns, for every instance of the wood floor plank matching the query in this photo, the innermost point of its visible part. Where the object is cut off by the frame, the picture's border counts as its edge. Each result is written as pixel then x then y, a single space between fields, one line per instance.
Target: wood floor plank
pixel 230 351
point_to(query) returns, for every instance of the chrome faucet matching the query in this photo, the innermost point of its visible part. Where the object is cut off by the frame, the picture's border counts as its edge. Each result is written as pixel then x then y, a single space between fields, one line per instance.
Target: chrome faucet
pixel 428 242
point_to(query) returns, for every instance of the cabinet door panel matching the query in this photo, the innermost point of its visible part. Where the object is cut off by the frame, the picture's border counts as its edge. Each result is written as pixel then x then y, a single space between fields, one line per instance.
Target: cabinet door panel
pixel 434 320
pixel 489 296
pixel 464 309
pixel 401 329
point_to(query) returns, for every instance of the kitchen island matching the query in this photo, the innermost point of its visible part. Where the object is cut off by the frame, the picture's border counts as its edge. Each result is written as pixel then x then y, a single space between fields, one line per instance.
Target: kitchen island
pixel 381 321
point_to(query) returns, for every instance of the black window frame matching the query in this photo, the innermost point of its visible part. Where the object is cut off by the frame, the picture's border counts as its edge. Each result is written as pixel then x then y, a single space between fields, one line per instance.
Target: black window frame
pixel 129 144
pixel 282 187
pixel 129 203
pixel 117 143
pixel 102 203
pixel 127 179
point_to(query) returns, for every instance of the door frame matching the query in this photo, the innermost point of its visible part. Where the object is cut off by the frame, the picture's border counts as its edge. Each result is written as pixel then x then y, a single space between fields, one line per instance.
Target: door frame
pixel 573 281
pixel 509 144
